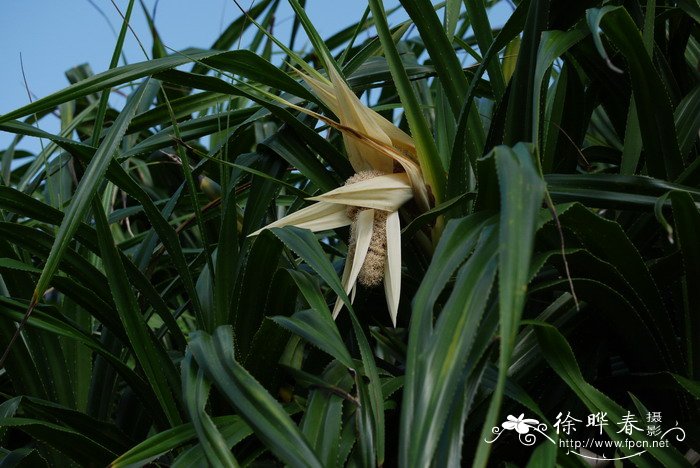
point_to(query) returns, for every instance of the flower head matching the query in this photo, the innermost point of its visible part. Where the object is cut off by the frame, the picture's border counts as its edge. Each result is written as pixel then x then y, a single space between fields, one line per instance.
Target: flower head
pixel 386 176
pixel 369 203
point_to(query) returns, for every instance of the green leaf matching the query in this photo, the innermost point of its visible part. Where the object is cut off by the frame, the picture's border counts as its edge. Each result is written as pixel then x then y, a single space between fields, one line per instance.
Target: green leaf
pixel 234 31
pixel 257 407
pixel 20 456
pixel 372 393
pixel 457 241
pixel 426 218
pixel 59 326
pixel 304 244
pixel 559 355
pixel 79 447
pixel 522 190
pixel 446 63
pixel 478 17
pixel 241 62
pixel 190 130
pixel 365 452
pixel 426 149
pixel 693 9
pixel 109 79
pixel 317 42
pixel 232 427
pixel 195 392
pixel 687 118
pixel 86 190
pixel 39 244
pixel 655 116
pixel 687 222
pixel 322 421
pixel 156 364
pixel 250 65
pixel 552 45
pixel 104 96
pixel 450 447
pixel 465 152
pixel 316 325
pixel 607 241
pixel 166 232
pixel 632 149
pixel 193 192
pixel 25 205
pixel 521 110
pixel 290 146
pixel 543 456
pixel 82 295
pixel 439 365
pixel 451 17
pixel 325 150
pixel 104 433
pixel 612 190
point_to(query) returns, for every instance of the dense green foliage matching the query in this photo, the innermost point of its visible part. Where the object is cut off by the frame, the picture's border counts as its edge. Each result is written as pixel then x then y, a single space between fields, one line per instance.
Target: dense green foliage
pixel 557 270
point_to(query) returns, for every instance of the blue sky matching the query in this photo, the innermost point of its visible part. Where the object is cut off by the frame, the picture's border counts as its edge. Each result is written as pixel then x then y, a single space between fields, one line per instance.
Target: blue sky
pixel 55 35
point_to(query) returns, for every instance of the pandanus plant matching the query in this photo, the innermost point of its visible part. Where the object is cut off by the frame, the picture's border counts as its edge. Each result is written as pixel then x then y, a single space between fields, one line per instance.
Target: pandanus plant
pixel 387 175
